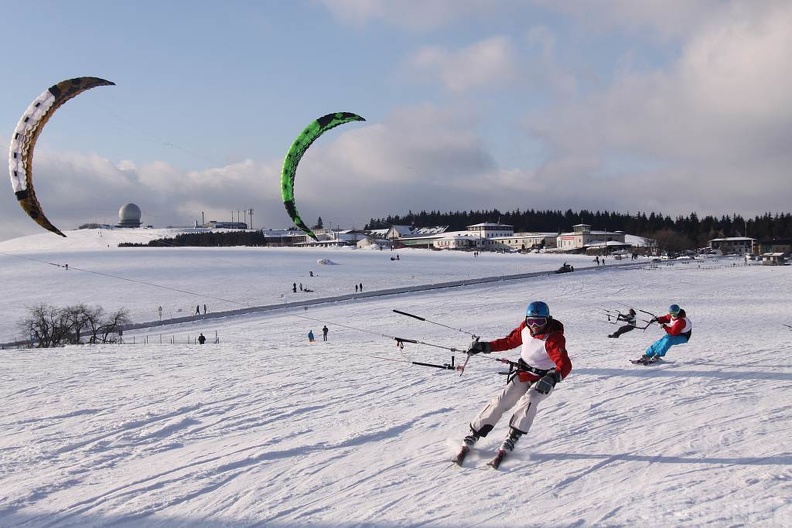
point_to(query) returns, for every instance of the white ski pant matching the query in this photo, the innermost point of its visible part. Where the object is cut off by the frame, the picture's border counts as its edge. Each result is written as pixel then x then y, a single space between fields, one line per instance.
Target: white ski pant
pixel 516 392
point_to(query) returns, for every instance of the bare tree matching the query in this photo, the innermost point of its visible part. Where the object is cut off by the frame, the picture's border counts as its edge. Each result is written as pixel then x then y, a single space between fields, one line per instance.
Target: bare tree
pixel 40 324
pixel 112 327
pixel 49 326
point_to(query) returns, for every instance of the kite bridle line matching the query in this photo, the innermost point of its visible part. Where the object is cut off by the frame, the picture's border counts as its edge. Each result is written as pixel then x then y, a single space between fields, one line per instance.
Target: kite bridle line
pixel 467 354
pixel 649 322
pixel 436 323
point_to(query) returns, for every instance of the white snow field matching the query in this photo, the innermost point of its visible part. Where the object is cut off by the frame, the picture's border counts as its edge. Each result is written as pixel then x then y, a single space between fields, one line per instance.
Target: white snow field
pixel 258 427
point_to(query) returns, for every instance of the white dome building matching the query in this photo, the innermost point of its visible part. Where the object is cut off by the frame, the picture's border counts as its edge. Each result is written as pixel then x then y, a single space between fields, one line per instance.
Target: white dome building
pixel 129 216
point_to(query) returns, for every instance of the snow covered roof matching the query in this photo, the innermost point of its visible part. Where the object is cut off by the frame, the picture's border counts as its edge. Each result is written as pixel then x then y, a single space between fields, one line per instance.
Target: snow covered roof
pixel 429 230
pixel 609 243
pixel 403 230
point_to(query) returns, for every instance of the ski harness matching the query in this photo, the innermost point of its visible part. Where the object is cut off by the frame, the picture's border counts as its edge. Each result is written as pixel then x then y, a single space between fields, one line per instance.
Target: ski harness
pixel 515 367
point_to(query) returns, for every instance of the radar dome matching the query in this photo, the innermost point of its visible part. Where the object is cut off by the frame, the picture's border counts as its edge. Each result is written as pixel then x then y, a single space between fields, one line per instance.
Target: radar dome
pixel 129 216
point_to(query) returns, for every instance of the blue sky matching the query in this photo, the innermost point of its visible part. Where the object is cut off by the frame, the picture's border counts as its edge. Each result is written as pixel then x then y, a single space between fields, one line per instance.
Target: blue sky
pixel 655 106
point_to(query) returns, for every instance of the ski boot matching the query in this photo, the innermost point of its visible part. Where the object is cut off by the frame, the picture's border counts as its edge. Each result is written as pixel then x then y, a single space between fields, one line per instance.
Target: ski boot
pixel 506 447
pixel 646 360
pixel 469 441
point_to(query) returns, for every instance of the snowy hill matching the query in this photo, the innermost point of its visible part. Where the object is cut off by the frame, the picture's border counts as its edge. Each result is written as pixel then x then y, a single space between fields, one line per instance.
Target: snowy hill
pixel 265 429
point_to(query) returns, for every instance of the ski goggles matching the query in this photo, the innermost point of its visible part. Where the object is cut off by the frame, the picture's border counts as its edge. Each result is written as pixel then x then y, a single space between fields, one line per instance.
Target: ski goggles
pixel 535 322
pixel 674 314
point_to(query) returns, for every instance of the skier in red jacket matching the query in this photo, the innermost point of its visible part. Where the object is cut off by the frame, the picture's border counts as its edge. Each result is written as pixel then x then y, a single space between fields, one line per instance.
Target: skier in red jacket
pixel 543 363
pixel 678 328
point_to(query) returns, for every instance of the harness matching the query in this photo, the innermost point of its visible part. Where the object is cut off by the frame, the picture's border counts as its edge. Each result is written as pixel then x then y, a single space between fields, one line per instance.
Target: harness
pixel 515 367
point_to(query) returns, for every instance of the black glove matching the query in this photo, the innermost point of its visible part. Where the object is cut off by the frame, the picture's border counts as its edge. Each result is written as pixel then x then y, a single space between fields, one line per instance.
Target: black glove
pixel 479 346
pixel 547 382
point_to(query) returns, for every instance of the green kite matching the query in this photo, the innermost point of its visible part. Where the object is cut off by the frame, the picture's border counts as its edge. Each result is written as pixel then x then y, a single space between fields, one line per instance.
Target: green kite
pixel 295 154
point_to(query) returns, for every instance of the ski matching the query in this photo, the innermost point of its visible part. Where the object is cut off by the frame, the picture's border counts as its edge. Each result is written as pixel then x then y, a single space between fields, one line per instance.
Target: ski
pixel 461 455
pixel 645 362
pixel 496 462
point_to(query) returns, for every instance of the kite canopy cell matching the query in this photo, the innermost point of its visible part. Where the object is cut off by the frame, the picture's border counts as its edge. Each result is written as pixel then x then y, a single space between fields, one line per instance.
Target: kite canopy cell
pixel 296 151
pixel 26 133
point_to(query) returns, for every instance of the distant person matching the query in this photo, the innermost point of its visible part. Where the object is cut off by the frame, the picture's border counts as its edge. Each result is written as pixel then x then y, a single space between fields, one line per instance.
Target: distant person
pixel 678 328
pixel 361 287
pixel 204 309
pixel 159 310
pixel 198 310
pixel 310 336
pixel 356 288
pixel 324 333
pixel 629 318
pixel 201 339
pixel 294 287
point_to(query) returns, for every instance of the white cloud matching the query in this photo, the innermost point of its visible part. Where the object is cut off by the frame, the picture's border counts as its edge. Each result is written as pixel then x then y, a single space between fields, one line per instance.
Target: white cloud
pixel 487 63
pixel 740 69
pixel 708 121
pixel 658 19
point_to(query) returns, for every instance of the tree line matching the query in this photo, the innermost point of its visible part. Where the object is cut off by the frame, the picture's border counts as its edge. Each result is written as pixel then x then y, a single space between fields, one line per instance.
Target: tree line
pixel 209 239
pixel 682 232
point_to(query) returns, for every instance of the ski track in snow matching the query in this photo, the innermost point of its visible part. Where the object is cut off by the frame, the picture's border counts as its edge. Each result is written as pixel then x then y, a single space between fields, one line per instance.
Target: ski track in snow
pixel 264 429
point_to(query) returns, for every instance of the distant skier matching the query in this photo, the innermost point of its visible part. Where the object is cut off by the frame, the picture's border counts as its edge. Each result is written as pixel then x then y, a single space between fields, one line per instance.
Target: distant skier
pixel 629 318
pixel 324 332
pixel 543 363
pixel 201 338
pixel 310 336
pixel 678 328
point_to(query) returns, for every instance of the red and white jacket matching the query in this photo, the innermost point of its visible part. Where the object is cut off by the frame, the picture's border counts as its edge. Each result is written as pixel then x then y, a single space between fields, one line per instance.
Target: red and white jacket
pixel 681 326
pixel 545 351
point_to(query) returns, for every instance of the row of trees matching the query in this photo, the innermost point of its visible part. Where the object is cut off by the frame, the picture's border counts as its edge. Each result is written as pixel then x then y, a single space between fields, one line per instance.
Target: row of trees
pixel 50 326
pixel 210 239
pixel 686 232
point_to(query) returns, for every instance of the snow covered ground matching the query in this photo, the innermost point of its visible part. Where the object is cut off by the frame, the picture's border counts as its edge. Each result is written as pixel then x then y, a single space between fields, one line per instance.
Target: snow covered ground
pixel 262 428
